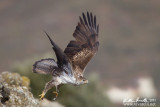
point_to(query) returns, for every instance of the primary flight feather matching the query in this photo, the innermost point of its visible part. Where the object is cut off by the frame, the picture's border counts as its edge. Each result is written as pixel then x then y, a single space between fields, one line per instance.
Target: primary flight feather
pixel 72 61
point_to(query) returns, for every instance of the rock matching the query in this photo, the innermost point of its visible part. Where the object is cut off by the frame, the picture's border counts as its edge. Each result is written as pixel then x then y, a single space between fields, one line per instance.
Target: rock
pixel 46 103
pixel 14 91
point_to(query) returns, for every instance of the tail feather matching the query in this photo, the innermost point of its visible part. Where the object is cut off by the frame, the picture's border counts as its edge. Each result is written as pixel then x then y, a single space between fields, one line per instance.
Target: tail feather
pixel 44 66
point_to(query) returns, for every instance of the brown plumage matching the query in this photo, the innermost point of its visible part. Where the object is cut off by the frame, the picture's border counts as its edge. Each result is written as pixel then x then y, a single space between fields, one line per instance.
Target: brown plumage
pixel 86 44
pixel 72 62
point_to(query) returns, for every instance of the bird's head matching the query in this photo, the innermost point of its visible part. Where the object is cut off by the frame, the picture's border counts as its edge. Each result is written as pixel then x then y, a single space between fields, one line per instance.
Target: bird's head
pixel 82 80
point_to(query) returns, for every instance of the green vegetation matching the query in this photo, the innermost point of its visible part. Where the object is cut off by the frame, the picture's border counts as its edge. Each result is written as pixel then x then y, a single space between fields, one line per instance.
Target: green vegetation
pixel 90 95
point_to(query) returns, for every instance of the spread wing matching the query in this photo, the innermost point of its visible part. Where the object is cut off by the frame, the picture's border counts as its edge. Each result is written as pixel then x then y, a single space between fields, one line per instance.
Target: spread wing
pixel 81 50
pixel 61 57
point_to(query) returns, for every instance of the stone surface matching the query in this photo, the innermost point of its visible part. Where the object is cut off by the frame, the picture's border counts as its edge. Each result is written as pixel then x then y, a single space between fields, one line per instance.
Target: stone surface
pixel 14 91
pixel 46 103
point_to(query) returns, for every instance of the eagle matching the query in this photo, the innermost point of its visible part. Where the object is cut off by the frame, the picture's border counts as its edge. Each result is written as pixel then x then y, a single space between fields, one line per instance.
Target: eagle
pixel 71 63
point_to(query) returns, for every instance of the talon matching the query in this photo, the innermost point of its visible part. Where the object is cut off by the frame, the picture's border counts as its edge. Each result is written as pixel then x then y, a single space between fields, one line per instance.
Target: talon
pixel 42 96
pixel 56 95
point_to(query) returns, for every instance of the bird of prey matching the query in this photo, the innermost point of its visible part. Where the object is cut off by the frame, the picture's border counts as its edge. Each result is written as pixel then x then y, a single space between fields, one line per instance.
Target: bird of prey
pixel 71 62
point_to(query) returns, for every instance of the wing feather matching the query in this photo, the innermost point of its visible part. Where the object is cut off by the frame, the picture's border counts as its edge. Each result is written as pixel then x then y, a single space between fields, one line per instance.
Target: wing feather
pixel 81 50
pixel 61 57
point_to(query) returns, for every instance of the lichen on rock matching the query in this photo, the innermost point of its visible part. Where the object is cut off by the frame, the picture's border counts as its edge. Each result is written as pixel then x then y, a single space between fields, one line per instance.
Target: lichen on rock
pixel 14 91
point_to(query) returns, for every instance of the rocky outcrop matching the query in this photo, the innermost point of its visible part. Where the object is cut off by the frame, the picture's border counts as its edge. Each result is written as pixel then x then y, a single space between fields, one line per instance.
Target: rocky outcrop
pixel 46 103
pixel 14 91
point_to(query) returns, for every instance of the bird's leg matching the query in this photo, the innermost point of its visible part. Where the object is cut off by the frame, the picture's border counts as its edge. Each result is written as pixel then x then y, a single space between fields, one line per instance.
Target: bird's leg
pixel 48 86
pixel 56 92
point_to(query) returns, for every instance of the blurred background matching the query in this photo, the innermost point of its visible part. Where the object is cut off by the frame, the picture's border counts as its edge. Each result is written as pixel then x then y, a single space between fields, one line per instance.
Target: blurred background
pixel 127 64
